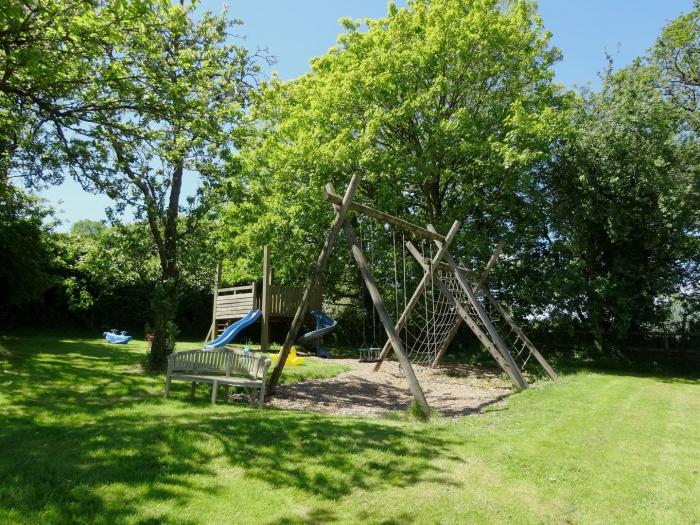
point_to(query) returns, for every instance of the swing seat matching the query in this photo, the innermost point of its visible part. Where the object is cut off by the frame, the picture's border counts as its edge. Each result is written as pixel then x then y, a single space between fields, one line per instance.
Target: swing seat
pixel 370 354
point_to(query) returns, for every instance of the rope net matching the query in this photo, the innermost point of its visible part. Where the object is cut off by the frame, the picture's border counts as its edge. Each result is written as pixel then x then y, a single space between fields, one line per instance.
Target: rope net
pixel 434 321
pixel 431 324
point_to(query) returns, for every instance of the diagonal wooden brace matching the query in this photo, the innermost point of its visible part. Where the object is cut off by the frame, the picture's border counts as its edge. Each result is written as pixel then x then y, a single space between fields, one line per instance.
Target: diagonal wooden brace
pixel 471 323
pixel 383 313
pixel 420 289
pixel 515 372
pixel 319 269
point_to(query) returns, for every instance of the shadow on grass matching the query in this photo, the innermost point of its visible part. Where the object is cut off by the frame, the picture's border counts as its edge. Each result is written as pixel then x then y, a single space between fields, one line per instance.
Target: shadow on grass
pixel 78 428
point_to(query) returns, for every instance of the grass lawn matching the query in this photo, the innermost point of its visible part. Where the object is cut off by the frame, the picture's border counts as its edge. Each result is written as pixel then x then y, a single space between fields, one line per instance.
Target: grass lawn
pixel 85 437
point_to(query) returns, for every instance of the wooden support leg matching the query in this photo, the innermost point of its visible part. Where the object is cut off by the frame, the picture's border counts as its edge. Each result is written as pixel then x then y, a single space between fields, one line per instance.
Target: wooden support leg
pixel 474 327
pixel 385 318
pixel 193 388
pixel 166 393
pixel 419 291
pixel 214 390
pixel 512 368
pixel 261 402
pixel 531 347
pixel 446 343
pixel 266 297
pixel 320 268
pixel 226 390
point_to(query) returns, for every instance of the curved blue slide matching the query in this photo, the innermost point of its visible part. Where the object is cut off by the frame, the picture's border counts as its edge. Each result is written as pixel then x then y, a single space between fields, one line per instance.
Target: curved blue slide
pixel 232 331
pixel 324 326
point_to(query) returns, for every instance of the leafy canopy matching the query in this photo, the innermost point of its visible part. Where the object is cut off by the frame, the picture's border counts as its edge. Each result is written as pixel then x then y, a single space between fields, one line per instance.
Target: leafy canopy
pixel 445 107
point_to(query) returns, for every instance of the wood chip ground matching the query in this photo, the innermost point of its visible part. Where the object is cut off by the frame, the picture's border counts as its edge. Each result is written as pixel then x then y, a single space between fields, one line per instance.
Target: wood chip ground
pixel 451 390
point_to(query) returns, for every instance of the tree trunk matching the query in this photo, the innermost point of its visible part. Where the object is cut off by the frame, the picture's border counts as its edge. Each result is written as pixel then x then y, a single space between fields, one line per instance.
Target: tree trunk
pixel 166 296
pixel 164 305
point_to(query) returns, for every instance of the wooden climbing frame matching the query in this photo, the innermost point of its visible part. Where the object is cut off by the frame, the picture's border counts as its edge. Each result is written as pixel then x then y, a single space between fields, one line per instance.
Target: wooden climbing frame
pixel 473 313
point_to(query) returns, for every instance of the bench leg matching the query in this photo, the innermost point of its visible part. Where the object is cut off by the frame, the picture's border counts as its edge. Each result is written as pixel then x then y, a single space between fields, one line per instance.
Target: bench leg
pixel 261 404
pixel 214 388
pixel 166 392
pixel 226 389
pixel 193 388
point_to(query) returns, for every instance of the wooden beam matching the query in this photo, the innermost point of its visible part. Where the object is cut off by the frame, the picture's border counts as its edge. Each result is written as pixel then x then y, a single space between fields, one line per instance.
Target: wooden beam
pixel 319 269
pixel 211 334
pixel 385 319
pixel 446 343
pixel 489 266
pixel 427 276
pixel 471 323
pixel 516 374
pixel 381 216
pixel 267 281
pixel 533 349
pixel 479 278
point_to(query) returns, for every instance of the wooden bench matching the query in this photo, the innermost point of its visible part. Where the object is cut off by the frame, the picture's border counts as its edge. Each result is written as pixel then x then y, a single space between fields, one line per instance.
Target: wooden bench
pixel 225 366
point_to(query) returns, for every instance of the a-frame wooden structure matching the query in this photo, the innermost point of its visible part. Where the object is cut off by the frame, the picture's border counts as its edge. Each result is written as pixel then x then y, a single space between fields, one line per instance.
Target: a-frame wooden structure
pixel 510 336
pixel 475 316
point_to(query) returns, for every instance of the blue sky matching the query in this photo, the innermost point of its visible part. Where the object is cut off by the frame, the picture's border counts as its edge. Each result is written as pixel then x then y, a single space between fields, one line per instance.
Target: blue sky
pixel 296 30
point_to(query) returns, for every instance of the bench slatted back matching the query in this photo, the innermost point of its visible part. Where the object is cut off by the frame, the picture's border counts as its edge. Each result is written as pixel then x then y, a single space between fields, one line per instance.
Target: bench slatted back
pixel 227 361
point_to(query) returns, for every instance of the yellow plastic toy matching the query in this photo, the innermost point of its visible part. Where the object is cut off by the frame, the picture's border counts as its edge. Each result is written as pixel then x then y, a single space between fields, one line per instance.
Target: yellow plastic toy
pixel 292 359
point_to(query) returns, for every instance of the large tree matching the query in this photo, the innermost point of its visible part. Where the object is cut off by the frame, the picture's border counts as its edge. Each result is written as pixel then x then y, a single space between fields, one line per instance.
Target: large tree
pixel 625 193
pixel 446 107
pixel 166 105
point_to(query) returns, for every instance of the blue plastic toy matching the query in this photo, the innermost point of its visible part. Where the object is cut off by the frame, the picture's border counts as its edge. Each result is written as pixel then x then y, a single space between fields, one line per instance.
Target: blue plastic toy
pixel 116 337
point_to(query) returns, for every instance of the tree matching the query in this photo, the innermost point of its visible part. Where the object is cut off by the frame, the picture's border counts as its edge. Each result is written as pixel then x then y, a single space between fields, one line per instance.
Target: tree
pixel 47 55
pixel 164 104
pixel 625 201
pixel 107 274
pixel 27 261
pixel 446 107
pixel 676 56
pixel 87 228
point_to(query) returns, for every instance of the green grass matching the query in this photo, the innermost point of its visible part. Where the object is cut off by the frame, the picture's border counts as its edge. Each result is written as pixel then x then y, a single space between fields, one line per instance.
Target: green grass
pixel 86 438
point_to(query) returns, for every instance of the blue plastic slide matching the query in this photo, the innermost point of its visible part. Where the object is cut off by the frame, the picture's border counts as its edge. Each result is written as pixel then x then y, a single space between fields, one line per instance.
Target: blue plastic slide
pixel 116 337
pixel 232 331
pixel 324 325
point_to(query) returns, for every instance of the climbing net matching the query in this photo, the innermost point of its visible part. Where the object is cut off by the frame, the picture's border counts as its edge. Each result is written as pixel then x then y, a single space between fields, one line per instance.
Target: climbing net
pixel 431 324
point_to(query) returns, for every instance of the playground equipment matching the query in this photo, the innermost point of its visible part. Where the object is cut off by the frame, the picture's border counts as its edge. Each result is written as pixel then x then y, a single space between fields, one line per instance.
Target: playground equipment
pixel 230 333
pixel 292 358
pixel 276 302
pixel 324 326
pixel 429 318
pixel 116 337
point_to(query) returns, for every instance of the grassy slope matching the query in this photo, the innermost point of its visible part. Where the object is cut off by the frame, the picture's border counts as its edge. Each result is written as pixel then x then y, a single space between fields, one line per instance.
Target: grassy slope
pixel 89 440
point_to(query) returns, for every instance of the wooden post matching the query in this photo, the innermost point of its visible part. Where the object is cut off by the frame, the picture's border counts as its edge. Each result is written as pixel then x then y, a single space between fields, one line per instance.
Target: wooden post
pixel 267 281
pixel 458 322
pixel 488 343
pixel 319 269
pixel 533 349
pixel 481 283
pixel 384 217
pixel 516 375
pixel 211 334
pixel 401 322
pixel 385 318
pixel 446 343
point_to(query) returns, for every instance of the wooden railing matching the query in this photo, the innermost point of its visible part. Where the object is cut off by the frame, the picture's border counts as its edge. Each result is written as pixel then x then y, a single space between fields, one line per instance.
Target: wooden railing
pixel 284 300
pixel 234 303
